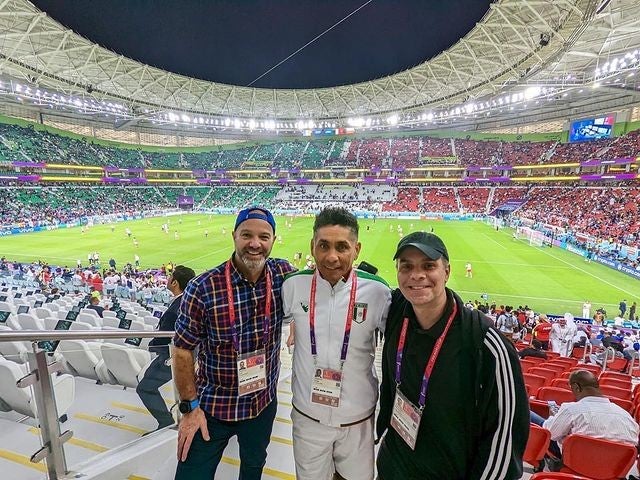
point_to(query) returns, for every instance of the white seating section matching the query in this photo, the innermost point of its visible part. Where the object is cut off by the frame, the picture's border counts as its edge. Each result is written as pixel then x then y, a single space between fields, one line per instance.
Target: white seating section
pixel 22 400
pixel 109 362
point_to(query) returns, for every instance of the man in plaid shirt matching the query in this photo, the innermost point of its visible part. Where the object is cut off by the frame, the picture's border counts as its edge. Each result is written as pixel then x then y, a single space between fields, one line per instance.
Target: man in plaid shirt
pixel 232 315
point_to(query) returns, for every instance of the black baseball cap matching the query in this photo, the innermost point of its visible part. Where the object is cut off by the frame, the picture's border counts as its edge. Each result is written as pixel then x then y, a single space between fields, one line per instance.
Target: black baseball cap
pixel 428 243
pixel 255 212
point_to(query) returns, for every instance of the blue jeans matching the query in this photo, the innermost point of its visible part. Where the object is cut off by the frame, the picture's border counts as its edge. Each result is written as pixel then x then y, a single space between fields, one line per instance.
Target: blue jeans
pixel 253 438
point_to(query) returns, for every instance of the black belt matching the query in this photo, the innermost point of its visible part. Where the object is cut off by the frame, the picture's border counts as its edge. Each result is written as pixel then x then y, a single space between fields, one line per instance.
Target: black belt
pixel 350 424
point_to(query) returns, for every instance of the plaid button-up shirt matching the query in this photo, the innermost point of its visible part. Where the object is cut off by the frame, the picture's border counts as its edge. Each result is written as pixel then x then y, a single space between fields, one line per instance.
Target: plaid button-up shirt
pixel 203 323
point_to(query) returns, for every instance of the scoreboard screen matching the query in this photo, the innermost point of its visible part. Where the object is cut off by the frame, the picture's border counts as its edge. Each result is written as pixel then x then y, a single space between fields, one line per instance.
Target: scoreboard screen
pixel 591 129
pixel 185 202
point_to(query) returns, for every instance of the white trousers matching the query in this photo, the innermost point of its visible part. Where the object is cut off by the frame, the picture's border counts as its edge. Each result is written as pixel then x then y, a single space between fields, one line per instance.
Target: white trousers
pixel 320 450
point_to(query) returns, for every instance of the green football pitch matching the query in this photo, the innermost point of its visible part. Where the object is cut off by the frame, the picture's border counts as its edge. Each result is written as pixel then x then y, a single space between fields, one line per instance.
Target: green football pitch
pixel 509 271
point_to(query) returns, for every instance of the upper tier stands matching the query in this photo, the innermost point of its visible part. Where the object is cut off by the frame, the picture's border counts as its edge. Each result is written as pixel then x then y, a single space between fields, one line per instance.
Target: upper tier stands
pixel 28 144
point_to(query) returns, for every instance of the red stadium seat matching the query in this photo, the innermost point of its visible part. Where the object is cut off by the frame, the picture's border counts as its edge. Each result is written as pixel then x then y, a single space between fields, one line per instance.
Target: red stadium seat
pixel 559 369
pixel 543 372
pixel 559 395
pixel 608 390
pixel 537 445
pixel 551 355
pixel 616 375
pixel 569 362
pixel 614 382
pixel 584 456
pixel 540 407
pixel 560 383
pixel 526 364
pixel 534 382
pixel 577 353
pixel 617 364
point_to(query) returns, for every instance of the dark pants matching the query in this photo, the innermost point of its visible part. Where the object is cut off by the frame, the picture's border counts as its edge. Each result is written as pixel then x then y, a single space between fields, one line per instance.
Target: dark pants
pixel 148 390
pixel 253 439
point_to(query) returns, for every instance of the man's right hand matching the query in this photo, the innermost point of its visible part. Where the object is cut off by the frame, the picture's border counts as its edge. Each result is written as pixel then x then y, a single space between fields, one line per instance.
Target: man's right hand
pixel 189 425
pixel 291 338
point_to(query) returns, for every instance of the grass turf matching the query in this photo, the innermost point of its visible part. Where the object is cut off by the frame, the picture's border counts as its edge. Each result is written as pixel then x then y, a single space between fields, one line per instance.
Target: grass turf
pixel 508 271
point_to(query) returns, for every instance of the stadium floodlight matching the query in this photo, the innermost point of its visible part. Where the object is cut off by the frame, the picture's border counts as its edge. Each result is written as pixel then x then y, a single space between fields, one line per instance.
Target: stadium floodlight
pixel 185 118
pixel 430 116
pixel 237 123
pixel 393 120
pixel 532 92
pixel 252 124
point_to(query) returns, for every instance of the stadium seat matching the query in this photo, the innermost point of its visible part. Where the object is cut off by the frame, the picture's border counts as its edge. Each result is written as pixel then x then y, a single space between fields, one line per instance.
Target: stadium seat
pixel 30 322
pixel 617 364
pixel 611 391
pixel 85 358
pixel 567 362
pixel 22 400
pixel 534 382
pixel 614 382
pixel 559 395
pixel 13 350
pixel 595 369
pixel 540 407
pixel 108 314
pixel 537 446
pixel 559 369
pixel 526 364
pixel 93 320
pixel 543 372
pixel 582 455
pixel 125 363
pixel 560 383
pixel 616 375
pixel 42 312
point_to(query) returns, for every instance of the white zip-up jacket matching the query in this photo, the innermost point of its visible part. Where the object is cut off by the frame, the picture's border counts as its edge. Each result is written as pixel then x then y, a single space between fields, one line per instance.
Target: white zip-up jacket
pixel 359 381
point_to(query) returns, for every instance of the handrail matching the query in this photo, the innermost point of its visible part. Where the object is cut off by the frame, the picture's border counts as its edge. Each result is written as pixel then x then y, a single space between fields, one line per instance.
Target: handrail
pixel 606 357
pixel 37 335
pixel 588 346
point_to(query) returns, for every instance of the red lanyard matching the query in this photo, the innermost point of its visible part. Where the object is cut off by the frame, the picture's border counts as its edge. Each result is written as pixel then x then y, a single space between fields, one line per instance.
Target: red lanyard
pixel 347 326
pixel 432 359
pixel 232 308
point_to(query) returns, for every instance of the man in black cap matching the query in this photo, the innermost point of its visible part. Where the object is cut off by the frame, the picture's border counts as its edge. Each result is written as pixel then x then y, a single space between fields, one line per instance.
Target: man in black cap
pixel 452 401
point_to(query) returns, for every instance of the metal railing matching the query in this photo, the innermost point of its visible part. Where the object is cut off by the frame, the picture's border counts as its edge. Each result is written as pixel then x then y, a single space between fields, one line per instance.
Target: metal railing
pixel 39 377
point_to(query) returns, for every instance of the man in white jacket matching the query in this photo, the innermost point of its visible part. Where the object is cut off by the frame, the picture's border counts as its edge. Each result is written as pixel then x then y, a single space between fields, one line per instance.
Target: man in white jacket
pixel 336 310
pixel 562 333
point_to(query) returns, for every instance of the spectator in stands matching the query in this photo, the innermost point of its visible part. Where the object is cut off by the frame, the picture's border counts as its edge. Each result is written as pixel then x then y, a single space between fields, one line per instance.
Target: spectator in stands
pixel 592 414
pixel 507 323
pixel 623 308
pixel 159 372
pixel 561 336
pixel 457 428
pixel 231 313
pixel 333 426
pixel 94 304
pixel 535 350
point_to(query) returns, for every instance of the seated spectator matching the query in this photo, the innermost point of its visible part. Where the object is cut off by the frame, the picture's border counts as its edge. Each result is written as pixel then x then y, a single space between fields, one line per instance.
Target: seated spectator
pixel 94 305
pixel 535 350
pixel 592 414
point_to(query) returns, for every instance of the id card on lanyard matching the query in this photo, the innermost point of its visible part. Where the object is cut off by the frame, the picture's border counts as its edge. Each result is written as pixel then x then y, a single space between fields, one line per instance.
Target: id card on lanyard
pixel 326 385
pixel 251 367
pixel 405 416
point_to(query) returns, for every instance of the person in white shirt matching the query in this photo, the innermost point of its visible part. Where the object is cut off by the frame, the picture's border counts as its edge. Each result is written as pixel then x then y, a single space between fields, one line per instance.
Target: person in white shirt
pixel 586 309
pixel 561 336
pixel 336 310
pixel 593 415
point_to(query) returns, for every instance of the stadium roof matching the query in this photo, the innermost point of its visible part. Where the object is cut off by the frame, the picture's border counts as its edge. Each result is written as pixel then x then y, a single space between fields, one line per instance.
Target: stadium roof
pixel 520 50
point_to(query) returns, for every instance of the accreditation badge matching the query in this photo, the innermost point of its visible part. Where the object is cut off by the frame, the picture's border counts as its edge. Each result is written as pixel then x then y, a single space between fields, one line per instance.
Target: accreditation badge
pixel 360 312
pixel 405 419
pixel 326 386
pixel 251 369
